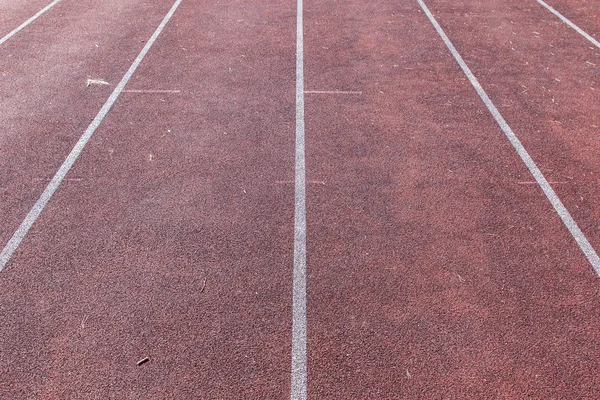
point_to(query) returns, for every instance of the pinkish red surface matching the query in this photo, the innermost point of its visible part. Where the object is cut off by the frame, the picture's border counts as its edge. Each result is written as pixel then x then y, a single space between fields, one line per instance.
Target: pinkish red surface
pixel 171 237
pixel 436 268
pixel 15 12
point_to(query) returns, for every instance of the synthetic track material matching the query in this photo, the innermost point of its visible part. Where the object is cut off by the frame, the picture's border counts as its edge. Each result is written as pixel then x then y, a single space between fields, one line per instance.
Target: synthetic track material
pixel 542 76
pixel 435 266
pixel 45 99
pixel 432 272
pixel 186 252
pixel 66 166
pixel 539 177
pixel 570 23
pixel 27 22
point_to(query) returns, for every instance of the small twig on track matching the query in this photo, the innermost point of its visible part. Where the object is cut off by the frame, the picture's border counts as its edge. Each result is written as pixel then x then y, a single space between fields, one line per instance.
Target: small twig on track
pixel 203 284
pixel 143 360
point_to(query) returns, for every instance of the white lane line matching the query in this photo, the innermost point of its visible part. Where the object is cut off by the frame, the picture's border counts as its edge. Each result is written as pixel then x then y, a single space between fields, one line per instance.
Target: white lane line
pixel 564 214
pixel 299 379
pixel 39 205
pixel 30 20
pixel 572 25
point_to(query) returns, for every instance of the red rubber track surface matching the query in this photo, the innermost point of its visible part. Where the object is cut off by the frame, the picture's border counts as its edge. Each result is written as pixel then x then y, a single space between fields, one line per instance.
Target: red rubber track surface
pixel 14 12
pixel 584 13
pixel 45 101
pixel 432 272
pixel 174 238
pixel 437 269
pixel 543 76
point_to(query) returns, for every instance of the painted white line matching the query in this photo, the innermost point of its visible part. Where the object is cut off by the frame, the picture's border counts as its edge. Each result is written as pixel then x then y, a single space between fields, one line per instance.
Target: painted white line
pixel 572 25
pixel 299 375
pixel 38 207
pixel 30 20
pixel 331 92
pixel 564 214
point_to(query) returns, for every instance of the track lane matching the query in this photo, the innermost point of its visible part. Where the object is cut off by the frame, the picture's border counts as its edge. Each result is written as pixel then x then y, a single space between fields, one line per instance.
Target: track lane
pixel 13 13
pixel 542 76
pixel 584 14
pixel 535 171
pixel 431 274
pixel 72 157
pixel 44 99
pixel 177 241
pixel 485 270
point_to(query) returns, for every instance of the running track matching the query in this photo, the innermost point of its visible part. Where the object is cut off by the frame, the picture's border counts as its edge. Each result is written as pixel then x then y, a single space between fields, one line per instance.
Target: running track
pixel 299 200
